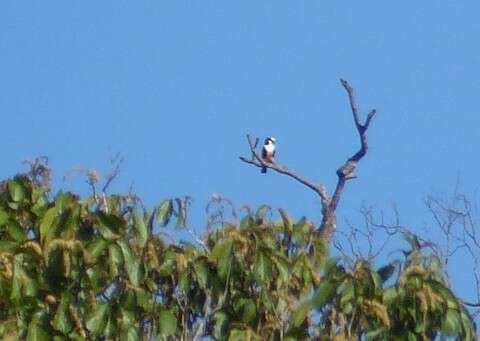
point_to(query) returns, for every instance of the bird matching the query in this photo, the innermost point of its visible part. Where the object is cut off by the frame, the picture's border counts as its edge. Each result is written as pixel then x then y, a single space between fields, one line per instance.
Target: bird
pixel 268 152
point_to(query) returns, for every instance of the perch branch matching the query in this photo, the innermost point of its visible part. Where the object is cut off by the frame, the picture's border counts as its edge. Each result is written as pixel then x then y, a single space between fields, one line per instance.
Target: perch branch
pixel 257 161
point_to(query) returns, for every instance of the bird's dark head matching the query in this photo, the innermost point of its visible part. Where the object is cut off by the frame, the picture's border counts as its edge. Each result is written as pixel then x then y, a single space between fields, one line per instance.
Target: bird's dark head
pixel 270 139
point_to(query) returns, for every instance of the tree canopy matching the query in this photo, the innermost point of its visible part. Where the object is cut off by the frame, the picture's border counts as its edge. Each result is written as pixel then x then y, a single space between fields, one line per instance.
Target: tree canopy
pixel 75 268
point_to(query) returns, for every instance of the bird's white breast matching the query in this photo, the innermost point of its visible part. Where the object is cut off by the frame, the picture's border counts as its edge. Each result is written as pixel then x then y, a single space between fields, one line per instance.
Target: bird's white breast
pixel 269 148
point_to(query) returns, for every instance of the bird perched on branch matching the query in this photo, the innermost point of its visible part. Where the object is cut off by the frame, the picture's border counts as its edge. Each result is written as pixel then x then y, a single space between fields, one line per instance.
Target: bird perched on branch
pixel 268 152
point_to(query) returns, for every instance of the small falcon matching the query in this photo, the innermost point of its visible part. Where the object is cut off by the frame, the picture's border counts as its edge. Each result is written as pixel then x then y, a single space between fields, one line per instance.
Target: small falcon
pixel 268 152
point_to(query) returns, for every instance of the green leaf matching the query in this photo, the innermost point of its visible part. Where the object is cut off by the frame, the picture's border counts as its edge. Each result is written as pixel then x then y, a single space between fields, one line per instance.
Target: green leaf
pixel 46 226
pixel 201 271
pixel 249 311
pixel 468 325
pixel 69 222
pixel 181 213
pixel 222 323
pixel 376 280
pixel 132 264
pixel 36 333
pixel 320 249
pixel 411 336
pixel 21 283
pixel 141 228
pixel 302 231
pixel 61 320
pixel 347 292
pixel 14 205
pixel 112 221
pixel 16 190
pixel 389 295
pixel 420 326
pixel 64 201
pixel 97 247
pixel 331 266
pixel 237 335
pixel 3 217
pixel 54 273
pixel 269 241
pixel 127 313
pixel 184 282
pixel 40 206
pixel 323 294
pixel 445 292
pixel 114 259
pixel 347 308
pixel 221 254
pixel 300 314
pixel 97 277
pixel 16 231
pixel 110 225
pixel 131 334
pixel 262 213
pixel 30 286
pixel 8 246
pixel 16 292
pixel 164 212
pixel 97 322
pixel 263 267
pixel 374 334
pixel 246 309
pixel 111 329
pixel 451 325
pixel 144 299
pixel 282 267
pixel 246 222
pixel 169 262
pixel 168 323
pixel 287 220
pixel 37 194
pixel 302 223
pixel 435 264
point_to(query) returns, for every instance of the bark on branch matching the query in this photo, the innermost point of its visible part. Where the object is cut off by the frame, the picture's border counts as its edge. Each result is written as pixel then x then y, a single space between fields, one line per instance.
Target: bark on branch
pixel 345 172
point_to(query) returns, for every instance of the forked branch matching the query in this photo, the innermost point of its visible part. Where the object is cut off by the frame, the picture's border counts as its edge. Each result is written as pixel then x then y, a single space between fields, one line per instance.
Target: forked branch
pixel 345 172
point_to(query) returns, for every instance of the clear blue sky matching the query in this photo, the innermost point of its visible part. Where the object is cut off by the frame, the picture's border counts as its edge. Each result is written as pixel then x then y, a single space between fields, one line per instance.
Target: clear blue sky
pixel 174 86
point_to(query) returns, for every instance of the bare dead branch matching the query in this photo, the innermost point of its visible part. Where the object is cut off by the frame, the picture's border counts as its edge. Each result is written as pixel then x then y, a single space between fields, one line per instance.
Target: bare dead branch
pixel 345 172
pixel 193 234
pixel 367 241
pixel 217 209
pixel 40 173
pixel 116 163
pixel 471 304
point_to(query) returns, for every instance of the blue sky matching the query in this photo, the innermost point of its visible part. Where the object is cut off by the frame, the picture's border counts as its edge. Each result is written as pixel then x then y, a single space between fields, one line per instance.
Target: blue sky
pixel 174 87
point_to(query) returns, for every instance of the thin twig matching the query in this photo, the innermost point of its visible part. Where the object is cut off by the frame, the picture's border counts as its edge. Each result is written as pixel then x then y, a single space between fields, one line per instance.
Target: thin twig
pixel 117 162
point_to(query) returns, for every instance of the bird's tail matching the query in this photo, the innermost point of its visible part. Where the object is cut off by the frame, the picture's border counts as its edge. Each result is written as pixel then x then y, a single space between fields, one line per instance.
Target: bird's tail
pixel 264 170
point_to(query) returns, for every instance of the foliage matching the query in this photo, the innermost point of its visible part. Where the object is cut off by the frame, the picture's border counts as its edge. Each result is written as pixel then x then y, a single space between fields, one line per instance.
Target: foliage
pixel 73 268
